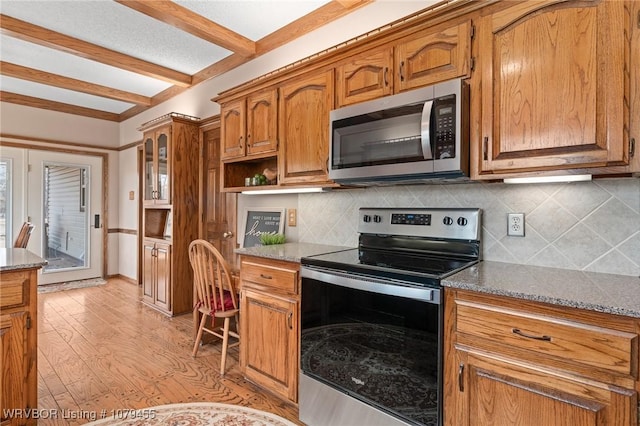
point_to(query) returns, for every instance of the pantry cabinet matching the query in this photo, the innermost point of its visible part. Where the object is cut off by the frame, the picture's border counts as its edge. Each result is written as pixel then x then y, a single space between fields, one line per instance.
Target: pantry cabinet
pixel 550 88
pixel 168 227
pixel 303 129
pixel 269 306
pixel 510 361
pixel 249 125
pixel 418 60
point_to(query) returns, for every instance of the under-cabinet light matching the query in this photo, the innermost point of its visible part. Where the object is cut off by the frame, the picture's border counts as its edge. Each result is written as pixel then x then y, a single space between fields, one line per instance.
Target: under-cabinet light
pixel 549 179
pixel 282 191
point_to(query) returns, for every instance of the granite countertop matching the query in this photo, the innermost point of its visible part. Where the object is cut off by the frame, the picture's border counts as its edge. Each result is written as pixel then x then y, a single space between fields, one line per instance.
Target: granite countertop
pixel 291 252
pixel 19 258
pixel 613 294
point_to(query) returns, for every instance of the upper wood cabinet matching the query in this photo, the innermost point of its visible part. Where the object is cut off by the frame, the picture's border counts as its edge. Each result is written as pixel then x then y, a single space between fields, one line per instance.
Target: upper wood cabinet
pixel 551 89
pixel 303 127
pixel 155 176
pixel 418 60
pixel 365 77
pixel 249 125
pixel 433 56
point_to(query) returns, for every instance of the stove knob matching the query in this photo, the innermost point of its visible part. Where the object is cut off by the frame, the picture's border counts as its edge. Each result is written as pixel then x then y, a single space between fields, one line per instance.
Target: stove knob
pixel 447 220
pixel 462 221
pixel 377 218
pixel 366 218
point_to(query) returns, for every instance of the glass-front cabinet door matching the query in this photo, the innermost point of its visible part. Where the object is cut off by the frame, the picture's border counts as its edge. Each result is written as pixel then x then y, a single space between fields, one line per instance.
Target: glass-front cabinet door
pixel 156 167
pixel 162 184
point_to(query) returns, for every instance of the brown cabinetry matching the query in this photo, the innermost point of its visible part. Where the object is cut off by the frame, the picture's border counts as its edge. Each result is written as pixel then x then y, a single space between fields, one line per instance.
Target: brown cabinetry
pixel 269 309
pixel 510 361
pixel 169 227
pixel 155 176
pixel 18 345
pixel 303 129
pixel 551 88
pixel 417 60
pixel 249 125
pixel 156 265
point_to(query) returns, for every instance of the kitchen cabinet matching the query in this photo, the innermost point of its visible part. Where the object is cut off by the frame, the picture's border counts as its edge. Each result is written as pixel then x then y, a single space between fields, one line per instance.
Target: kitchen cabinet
pixel 303 128
pixel 169 227
pixel 155 175
pixel 550 88
pixel 156 264
pixel 249 125
pixel 511 361
pixel 269 312
pixel 421 59
pixel 18 344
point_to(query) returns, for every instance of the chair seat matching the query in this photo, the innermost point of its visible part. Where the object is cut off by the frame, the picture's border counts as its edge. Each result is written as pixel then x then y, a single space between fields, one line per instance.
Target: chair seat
pixel 227 303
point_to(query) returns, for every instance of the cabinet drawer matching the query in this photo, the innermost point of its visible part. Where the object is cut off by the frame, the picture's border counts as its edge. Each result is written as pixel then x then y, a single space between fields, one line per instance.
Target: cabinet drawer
pixel 265 275
pixel 567 340
pixel 14 289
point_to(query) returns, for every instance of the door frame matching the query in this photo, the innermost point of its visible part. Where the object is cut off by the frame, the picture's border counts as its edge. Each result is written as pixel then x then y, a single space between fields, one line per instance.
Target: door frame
pixel 103 182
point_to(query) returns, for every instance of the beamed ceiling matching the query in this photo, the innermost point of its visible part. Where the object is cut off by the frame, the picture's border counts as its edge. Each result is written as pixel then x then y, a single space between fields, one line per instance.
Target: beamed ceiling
pixel 113 59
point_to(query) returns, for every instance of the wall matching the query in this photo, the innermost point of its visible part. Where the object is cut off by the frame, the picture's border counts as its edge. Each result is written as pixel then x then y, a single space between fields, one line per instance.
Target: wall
pixel 591 226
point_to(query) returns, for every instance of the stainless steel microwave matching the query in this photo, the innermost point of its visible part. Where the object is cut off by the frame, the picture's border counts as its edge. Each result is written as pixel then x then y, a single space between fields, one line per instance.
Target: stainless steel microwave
pixel 410 137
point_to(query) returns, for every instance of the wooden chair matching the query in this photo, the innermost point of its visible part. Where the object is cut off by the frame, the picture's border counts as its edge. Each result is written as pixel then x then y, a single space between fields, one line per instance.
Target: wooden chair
pixel 23 236
pixel 215 295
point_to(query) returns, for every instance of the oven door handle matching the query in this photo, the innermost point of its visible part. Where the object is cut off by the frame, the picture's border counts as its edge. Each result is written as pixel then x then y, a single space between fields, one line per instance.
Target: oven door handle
pixel 371 284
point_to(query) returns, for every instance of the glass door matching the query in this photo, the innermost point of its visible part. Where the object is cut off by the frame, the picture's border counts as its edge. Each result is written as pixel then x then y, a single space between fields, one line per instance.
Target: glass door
pixel 65 203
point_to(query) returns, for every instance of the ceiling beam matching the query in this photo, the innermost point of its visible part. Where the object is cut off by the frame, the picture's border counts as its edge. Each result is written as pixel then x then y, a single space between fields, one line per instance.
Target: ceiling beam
pixel 180 17
pixel 54 40
pixel 14 98
pixel 310 22
pixel 42 77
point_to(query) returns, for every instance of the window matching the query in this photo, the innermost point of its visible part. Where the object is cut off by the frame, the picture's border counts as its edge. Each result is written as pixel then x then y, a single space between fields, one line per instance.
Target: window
pixel 5 203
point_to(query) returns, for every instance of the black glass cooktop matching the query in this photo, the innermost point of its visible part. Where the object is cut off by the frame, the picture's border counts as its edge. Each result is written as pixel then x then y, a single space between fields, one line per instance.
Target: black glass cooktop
pixel 420 268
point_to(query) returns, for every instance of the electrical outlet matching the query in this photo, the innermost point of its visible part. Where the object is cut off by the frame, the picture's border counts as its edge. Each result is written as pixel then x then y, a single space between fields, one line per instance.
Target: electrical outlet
pixel 292 217
pixel 515 224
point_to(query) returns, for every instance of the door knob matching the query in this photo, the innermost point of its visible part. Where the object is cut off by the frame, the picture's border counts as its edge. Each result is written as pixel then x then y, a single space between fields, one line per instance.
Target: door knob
pixel 227 234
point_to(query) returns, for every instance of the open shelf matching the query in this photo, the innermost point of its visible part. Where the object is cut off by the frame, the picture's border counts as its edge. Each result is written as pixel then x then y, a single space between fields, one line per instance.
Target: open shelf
pixel 157 223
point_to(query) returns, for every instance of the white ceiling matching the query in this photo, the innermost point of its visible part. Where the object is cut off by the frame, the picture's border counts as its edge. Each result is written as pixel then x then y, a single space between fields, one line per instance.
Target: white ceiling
pixel 112 25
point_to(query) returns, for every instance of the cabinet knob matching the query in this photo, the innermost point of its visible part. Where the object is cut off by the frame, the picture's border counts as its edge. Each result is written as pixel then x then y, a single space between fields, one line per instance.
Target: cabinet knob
pixel 227 234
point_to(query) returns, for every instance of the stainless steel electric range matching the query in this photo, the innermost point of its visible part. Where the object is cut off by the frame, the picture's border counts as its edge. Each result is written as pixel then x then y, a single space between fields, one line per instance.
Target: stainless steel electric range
pixel 372 332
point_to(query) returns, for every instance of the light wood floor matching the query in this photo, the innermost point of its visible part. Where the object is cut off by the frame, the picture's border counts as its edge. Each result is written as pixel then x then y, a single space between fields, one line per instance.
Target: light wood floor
pixel 100 349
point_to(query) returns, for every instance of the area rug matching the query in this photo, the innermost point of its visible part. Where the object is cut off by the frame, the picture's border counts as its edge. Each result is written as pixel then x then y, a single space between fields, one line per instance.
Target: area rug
pixel 193 414
pixel 50 288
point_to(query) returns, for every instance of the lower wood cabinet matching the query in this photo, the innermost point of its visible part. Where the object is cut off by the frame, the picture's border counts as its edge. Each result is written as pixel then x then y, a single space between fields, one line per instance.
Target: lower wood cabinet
pixel 269 324
pixel 156 282
pixel 512 362
pixel 18 346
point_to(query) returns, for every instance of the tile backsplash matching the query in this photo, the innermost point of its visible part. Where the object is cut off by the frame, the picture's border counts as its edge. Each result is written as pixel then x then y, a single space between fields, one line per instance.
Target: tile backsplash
pixel 590 226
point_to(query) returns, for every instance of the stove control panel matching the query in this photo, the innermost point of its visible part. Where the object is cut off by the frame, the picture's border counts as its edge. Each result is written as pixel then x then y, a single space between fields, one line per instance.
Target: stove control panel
pixel 454 223
pixel 410 219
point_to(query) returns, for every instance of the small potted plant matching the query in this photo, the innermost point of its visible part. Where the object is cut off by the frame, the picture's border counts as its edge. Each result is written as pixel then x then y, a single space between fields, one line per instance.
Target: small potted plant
pixel 271 239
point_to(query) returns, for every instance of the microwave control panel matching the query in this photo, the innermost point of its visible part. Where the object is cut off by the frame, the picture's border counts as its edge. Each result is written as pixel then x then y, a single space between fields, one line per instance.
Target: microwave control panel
pixel 445 125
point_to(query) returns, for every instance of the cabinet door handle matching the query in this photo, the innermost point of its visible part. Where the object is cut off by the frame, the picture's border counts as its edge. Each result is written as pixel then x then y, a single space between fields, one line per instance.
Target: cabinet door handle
pixel 530 336
pixel 461 378
pixel 402 71
pixel 386 73
pixel 266 277
pixel 248 139
pixel 290 320
pixel 240 141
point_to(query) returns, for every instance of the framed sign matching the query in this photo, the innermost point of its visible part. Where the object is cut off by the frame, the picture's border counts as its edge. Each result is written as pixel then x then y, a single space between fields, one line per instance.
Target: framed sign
pixel 258 221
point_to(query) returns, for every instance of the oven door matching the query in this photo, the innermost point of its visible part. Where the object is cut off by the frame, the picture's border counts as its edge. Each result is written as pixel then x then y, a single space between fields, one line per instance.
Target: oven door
pixel 370 351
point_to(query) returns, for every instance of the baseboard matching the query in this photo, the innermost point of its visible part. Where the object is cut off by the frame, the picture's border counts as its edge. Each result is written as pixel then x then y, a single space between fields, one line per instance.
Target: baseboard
pixel 124 278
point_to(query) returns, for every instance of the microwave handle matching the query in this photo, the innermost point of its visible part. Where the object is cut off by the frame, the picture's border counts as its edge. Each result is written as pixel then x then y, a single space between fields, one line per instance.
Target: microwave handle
pixel 425 130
